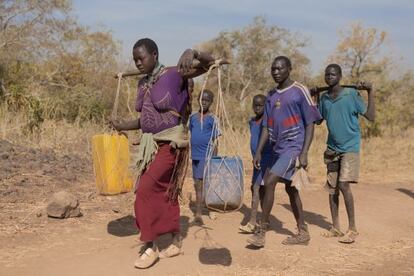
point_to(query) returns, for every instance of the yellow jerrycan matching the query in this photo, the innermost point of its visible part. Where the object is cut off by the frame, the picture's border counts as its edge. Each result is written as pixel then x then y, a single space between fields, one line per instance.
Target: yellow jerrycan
pixel 111 164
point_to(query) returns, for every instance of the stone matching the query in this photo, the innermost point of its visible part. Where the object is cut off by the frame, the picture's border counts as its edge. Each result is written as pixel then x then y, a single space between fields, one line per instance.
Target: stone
pixel 68 176
pixel 63 205
pixel 48 170
pixel 5 156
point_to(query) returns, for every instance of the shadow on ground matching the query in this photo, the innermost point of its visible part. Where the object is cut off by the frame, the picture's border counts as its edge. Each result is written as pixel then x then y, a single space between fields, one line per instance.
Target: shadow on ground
pixel 312 218
pixel 125 226
pixel 122 227
pixel 275 224
pixel 406 191
pixel 165 240
pixel 211 252
pixel 215 256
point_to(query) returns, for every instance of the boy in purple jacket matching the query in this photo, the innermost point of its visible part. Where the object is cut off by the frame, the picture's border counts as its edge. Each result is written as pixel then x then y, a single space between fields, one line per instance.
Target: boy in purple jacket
pixel 289 120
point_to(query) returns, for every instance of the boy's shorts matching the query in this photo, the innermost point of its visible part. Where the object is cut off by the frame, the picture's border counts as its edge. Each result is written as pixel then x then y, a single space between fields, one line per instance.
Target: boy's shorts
pixel 258 175
pixel 341 167
pixel 198 168
pixel 284 166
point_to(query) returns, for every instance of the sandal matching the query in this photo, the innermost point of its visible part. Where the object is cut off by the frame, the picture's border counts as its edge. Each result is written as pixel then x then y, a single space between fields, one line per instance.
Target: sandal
pixel 171 251
pixel 148 258
pixel 212 215
pixel 198 220
pixel 332 233
pixel 349 237
pixel 259 237
pixel 302 237
pixel 247 229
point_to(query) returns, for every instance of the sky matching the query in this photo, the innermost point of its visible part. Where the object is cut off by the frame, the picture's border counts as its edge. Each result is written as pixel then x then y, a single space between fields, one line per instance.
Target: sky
pixel 179 24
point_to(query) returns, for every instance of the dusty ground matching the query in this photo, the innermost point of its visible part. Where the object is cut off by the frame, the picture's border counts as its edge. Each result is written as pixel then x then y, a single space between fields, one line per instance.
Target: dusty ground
pixel 103 240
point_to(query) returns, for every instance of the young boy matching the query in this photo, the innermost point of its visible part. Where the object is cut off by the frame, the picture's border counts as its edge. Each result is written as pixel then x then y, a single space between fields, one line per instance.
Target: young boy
pixel 341 107
pixel 257 187
pixel 289 119
pixel 204 132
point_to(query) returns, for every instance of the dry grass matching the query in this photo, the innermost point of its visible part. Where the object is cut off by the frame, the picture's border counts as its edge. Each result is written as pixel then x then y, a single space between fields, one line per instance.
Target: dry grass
pixel 386 159
pixel 60 136
pixel 383 159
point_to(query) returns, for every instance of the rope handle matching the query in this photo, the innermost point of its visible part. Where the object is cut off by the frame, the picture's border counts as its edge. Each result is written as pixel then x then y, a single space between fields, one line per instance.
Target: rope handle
pixel 114 113
pixel 221 113
pixel 216 64
pixel 222 118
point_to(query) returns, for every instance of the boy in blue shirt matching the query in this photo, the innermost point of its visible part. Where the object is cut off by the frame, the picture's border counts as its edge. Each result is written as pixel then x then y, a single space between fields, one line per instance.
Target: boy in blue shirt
pixel 341 107
pixel 257 187
pixel 203 137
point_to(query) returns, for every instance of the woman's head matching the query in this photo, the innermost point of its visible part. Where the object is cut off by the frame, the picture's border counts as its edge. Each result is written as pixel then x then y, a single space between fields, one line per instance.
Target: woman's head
pixel 145 54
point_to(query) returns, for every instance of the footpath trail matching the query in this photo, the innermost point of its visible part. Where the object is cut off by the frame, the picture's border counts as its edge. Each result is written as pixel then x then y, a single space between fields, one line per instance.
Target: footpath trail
pixel 104 240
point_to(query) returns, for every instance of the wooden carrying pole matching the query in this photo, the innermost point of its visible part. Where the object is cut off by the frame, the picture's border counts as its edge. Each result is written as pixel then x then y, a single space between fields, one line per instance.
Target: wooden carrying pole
pixel 137 73
pixel 315 91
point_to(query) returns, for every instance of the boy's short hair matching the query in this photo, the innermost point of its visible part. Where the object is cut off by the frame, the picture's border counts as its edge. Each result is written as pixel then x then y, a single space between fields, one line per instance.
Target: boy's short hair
pixel 208 92
pixel 336 67
pixel 285 59
pixel 149 44
pixel 259 96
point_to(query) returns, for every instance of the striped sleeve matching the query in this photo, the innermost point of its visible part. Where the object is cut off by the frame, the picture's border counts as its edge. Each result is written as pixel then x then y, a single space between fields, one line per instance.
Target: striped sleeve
pixel 306 94
pixel 309 111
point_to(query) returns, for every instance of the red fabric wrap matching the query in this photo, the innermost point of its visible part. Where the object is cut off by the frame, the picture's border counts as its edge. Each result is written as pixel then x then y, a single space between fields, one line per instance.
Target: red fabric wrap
pixel 155 213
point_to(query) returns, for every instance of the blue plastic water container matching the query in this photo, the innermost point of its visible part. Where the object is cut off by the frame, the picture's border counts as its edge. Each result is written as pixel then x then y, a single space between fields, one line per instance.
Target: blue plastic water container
pixel 224 183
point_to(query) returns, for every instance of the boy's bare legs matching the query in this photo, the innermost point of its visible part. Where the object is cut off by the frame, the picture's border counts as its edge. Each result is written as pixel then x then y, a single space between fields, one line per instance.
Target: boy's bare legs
pixel 258 239
pixel 255 204
pixel 198 186
pixel 270 182
pixel 257 197
pixel 261 195
pixel 349 204
pixel 334 206
pixel 335 230
pixel 269 197
pixel 352 232
pixel 295 202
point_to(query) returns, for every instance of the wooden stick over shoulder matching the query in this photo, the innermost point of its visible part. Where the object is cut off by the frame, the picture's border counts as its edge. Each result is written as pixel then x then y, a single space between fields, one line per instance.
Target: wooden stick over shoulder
pixel 137 73
pixel 316 90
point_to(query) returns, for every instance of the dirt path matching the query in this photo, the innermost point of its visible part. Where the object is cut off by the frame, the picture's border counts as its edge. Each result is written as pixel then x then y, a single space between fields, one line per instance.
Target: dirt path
pixel 103 241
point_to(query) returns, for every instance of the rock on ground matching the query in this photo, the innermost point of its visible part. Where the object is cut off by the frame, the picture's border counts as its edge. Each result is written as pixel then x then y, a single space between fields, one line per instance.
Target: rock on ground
pixel 63 205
